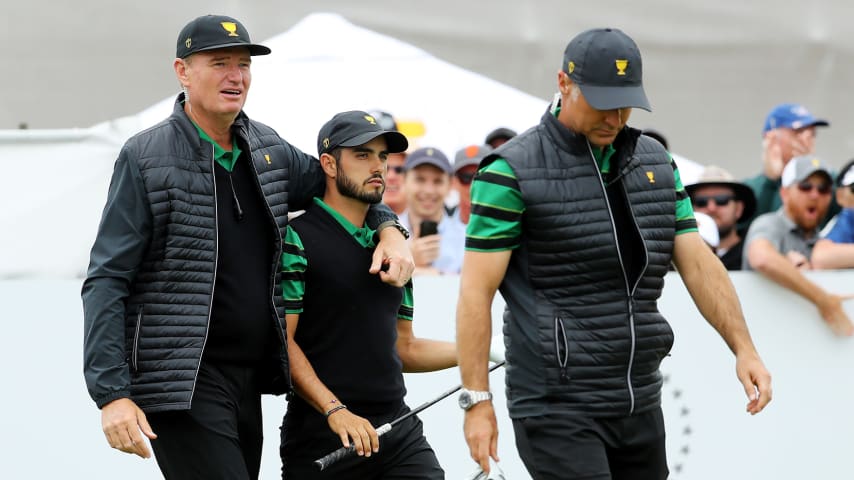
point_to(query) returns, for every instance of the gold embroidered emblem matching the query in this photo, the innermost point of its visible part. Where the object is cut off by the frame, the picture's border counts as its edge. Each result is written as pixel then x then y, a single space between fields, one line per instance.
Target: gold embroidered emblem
pixel 188 42
pixel 815 162
pixel 429 152
pixel 326 142
pixel 651 177
pixel 621 66
pixel 231 28
pixel 370 119
pixel 571 67
pixel 267 157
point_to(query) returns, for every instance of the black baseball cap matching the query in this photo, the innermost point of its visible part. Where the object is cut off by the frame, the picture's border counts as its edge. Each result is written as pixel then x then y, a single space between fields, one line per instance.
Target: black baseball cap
pixel 606 65
pixel 354 128
pixel 501 132
pixel 210 32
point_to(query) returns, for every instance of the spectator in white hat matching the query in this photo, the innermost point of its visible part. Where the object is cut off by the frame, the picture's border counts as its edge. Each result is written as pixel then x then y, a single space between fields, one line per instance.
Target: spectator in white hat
pixel 779 244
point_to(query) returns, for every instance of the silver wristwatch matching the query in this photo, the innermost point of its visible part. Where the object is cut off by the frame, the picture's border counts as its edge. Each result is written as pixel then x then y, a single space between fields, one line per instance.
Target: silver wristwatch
pixel 469 398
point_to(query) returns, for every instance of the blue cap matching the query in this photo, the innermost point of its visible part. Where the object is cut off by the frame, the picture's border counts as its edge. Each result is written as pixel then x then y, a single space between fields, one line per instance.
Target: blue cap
pixel 791 115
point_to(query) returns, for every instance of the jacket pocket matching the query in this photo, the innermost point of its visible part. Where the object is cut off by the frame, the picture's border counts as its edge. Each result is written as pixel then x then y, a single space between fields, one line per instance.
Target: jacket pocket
pixel 561 349
pixel 134 354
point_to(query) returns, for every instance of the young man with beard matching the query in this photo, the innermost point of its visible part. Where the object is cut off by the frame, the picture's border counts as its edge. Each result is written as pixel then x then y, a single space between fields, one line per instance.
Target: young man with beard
pixel 183 323
pixel 727 201
pixel 350 336
pixel 779 244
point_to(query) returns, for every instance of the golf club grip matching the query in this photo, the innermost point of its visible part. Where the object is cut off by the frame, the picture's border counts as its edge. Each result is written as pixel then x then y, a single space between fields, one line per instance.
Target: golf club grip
pixel 343 452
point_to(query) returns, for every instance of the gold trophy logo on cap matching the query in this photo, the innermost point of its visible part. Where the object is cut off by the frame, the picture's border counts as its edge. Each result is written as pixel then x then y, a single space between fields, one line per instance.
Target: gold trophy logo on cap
pixel 231 28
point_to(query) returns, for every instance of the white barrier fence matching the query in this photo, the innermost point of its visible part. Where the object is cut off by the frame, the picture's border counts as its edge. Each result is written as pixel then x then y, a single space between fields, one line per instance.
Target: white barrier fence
pixel 51 429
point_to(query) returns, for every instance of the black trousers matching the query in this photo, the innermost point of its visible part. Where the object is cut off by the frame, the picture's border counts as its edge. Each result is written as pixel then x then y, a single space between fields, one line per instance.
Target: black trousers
pixel 577 447
pixel 220 437
pixel 404 452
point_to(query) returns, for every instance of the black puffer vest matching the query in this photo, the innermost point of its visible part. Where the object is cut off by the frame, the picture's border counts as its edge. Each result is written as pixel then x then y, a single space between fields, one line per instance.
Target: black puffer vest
pixel 169 307
pixel 598 336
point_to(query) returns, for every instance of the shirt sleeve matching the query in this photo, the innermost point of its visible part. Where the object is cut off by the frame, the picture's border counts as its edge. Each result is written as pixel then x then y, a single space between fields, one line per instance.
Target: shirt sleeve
pixel 843 229
pixel 407 308
pixel 685 221
pixel 294 265
pixel 495 223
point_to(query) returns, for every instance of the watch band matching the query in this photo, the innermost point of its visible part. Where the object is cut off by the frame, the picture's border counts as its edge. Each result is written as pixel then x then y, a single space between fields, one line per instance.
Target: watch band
pixel 470 398
pixel 396 224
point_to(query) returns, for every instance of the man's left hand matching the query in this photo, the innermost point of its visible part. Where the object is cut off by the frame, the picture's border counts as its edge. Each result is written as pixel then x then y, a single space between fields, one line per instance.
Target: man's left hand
pixel 392 258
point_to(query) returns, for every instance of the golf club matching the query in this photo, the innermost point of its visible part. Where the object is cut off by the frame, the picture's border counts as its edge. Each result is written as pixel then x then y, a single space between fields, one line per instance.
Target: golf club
pixel 343 452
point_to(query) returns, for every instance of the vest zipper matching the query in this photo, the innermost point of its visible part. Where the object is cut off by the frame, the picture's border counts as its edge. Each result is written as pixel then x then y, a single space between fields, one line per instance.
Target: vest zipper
pixel 562 360
pixel 213 283
pixel 134 359
pixel 629 289
pixel 280 329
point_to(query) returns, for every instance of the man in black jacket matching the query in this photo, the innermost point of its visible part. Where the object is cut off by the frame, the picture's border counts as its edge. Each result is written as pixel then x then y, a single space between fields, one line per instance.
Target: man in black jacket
pixel 184 321
pixel 577 220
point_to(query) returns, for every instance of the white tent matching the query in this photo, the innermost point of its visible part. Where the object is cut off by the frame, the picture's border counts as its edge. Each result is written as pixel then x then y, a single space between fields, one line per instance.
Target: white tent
pixel 55 181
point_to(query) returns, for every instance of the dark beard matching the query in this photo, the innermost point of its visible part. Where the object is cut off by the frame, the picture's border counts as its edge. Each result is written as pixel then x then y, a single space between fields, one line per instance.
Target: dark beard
pixel 348 188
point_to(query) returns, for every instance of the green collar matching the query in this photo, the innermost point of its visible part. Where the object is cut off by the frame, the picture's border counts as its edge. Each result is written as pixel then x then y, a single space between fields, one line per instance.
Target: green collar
pixel 364 236
pixel 603 157
pixel 225 158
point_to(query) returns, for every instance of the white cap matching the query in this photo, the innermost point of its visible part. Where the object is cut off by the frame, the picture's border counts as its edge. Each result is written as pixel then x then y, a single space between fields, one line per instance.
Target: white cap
pixel 848 179
pixel 708 229
pixel 800 168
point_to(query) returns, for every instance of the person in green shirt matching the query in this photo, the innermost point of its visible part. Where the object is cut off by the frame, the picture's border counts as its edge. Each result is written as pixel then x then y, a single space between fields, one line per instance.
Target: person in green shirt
pixel 350 336
pixel 577 221
pixel 789 131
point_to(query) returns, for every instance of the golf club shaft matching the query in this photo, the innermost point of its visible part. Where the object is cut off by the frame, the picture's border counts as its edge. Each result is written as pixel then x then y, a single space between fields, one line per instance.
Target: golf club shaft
pixel 331 458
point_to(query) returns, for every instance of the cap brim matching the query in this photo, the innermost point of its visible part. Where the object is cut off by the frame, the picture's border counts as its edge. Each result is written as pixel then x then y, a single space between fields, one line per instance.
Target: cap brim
pixel 395 141
pixel 742 192
pixel 464 164
pixel 610 98
pixel 254 48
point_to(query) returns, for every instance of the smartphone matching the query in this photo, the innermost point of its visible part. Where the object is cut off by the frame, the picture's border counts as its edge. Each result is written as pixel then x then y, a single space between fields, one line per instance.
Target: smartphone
pixel 428 227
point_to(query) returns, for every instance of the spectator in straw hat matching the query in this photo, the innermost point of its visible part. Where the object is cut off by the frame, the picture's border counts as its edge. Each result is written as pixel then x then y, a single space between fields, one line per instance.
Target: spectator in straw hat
pixel 727 201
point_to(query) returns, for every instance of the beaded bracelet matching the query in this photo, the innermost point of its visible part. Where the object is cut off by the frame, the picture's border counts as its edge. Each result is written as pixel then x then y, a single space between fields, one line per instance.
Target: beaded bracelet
pixel 335 409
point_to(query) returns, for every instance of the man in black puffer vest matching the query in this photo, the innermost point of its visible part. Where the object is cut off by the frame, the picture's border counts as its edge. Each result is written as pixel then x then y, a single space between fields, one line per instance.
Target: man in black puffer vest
pixel 350 336
pixel 184 318
pixel 576 221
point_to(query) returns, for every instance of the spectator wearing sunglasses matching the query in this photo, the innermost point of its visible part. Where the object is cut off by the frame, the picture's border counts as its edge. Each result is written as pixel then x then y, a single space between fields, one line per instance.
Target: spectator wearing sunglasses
pixel 779 244
pixel 728 202
pixel 466 162
pixel 835 250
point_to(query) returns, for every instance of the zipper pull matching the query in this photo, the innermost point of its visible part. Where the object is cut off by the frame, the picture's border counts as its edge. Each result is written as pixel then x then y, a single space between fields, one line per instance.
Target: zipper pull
pixel 238 212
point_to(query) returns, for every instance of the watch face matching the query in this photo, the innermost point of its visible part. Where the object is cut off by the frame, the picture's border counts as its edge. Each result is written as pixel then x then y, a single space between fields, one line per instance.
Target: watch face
pixel 465 400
